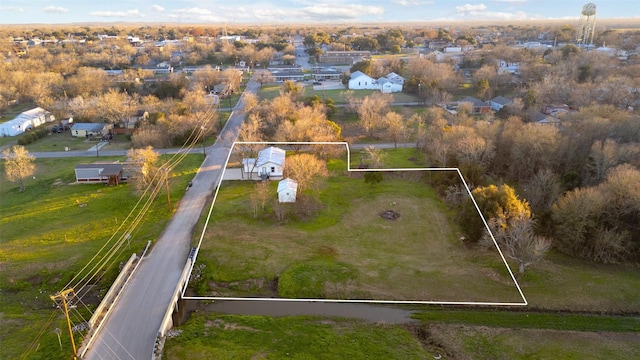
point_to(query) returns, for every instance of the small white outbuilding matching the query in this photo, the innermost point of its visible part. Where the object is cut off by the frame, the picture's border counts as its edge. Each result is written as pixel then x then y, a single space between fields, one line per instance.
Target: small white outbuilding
pixel 287 189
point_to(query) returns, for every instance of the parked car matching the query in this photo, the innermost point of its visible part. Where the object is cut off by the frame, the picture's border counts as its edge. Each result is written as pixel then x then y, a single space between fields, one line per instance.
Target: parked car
pixel 57 129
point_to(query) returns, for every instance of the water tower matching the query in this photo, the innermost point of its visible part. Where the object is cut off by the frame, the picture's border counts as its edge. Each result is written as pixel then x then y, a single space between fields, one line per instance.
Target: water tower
pixel 587 24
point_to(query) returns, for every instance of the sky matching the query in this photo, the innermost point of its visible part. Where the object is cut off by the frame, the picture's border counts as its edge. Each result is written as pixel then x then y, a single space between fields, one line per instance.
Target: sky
pixel 300 11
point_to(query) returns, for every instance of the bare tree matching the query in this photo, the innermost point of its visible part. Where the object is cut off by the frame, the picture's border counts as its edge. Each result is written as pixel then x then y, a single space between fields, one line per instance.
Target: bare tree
pixel 306 170
pixel 264 77
pixel 115 107
pixel 259 197
pixel 542 190
pixel 143 167
pixel 373 157
pixel 395 126
pixel 516 236
pixel 371 112
pixel 250 101
pixel 18 164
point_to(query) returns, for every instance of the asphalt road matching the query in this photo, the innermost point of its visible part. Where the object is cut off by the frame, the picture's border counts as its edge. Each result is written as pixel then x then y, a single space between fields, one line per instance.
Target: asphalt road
pixel 130 330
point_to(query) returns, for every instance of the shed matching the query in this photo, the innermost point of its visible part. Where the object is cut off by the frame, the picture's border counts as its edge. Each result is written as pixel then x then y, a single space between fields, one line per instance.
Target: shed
pixel 287 190
pixel 108 173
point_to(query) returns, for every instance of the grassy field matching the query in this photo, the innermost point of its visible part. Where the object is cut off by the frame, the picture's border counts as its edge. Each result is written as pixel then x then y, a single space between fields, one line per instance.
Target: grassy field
pixel 348 250
pixel 49 231
pixel 481 342
pixel 214 336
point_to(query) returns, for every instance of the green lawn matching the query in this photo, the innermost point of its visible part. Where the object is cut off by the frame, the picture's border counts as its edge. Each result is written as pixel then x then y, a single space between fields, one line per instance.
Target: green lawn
pixel 347 250
pixel 211 336
pixel 49 231
pixel 481 342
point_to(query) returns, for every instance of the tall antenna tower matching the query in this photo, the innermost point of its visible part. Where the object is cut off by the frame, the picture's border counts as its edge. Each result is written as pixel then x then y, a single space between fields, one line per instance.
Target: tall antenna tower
pixel 587 24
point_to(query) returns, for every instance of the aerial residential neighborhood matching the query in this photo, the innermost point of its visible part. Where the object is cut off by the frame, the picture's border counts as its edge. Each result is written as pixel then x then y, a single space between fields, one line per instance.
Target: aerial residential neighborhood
pixel 410 180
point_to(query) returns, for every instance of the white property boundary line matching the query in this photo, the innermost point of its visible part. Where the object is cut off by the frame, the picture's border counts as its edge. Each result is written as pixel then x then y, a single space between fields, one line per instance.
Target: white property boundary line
pixel 477 303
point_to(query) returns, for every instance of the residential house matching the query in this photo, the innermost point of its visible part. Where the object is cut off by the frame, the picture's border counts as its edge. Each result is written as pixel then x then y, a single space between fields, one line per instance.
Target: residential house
pixel 390 84
pixel 387 86
pixel 498 102
pixel 90 129
pixel 108 173
pixel 477 106
pixel 287 190
pixel 27 120
pixel 545 119
pixel 362 81
pixel 508 67
pixel 396 78
pixel 268 165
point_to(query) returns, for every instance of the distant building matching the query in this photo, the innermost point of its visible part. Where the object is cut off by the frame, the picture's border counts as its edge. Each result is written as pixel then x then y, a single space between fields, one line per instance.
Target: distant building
pixel 27 120
pixel 498 102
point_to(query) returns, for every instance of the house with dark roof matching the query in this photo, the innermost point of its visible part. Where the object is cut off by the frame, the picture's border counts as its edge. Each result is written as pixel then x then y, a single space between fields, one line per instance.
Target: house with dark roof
pixel 90 129
pixel 108 173
pixel 498 102
pixel 477 106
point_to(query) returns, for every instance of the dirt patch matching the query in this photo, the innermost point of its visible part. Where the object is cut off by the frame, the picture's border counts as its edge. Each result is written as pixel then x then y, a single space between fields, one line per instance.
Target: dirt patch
pixel 221 324
pixel 390 215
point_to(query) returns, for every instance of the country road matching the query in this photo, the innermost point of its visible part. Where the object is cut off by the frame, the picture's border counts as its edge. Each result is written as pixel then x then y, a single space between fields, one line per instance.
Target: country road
pixel 129 332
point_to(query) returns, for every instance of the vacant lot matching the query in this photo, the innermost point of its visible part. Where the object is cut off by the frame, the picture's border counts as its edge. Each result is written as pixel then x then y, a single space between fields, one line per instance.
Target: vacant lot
pixel 347 250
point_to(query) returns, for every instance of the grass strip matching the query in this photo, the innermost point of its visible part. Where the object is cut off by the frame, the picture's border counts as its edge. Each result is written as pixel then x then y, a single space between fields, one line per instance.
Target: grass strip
pixel 532 320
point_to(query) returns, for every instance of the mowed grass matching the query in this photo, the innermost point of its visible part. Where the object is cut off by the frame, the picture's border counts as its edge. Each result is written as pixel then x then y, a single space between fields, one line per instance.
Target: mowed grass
pixel 58 142
pixel 52 229
pixel 212 336
pixel 348 250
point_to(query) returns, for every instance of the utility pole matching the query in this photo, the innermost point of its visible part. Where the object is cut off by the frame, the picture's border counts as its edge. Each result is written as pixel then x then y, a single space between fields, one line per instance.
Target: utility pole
pixel 64 296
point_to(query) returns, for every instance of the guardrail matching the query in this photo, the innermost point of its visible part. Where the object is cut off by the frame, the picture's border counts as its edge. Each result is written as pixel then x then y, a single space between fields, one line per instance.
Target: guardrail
pixel 111 297
pixel 167 320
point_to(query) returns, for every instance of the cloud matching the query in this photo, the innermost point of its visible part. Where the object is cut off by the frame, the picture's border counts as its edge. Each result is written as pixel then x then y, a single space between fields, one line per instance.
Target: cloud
pixel 194 11
pixel 157 8
pixel 511 1
pixel 130 13
pixel 11 9
pixel 55 10
pixel 336 12
pixel 412 2
pixel 466 8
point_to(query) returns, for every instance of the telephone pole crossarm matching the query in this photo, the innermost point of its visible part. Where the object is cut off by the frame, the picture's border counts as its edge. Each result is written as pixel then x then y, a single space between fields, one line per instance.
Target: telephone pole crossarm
pixel 64 296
